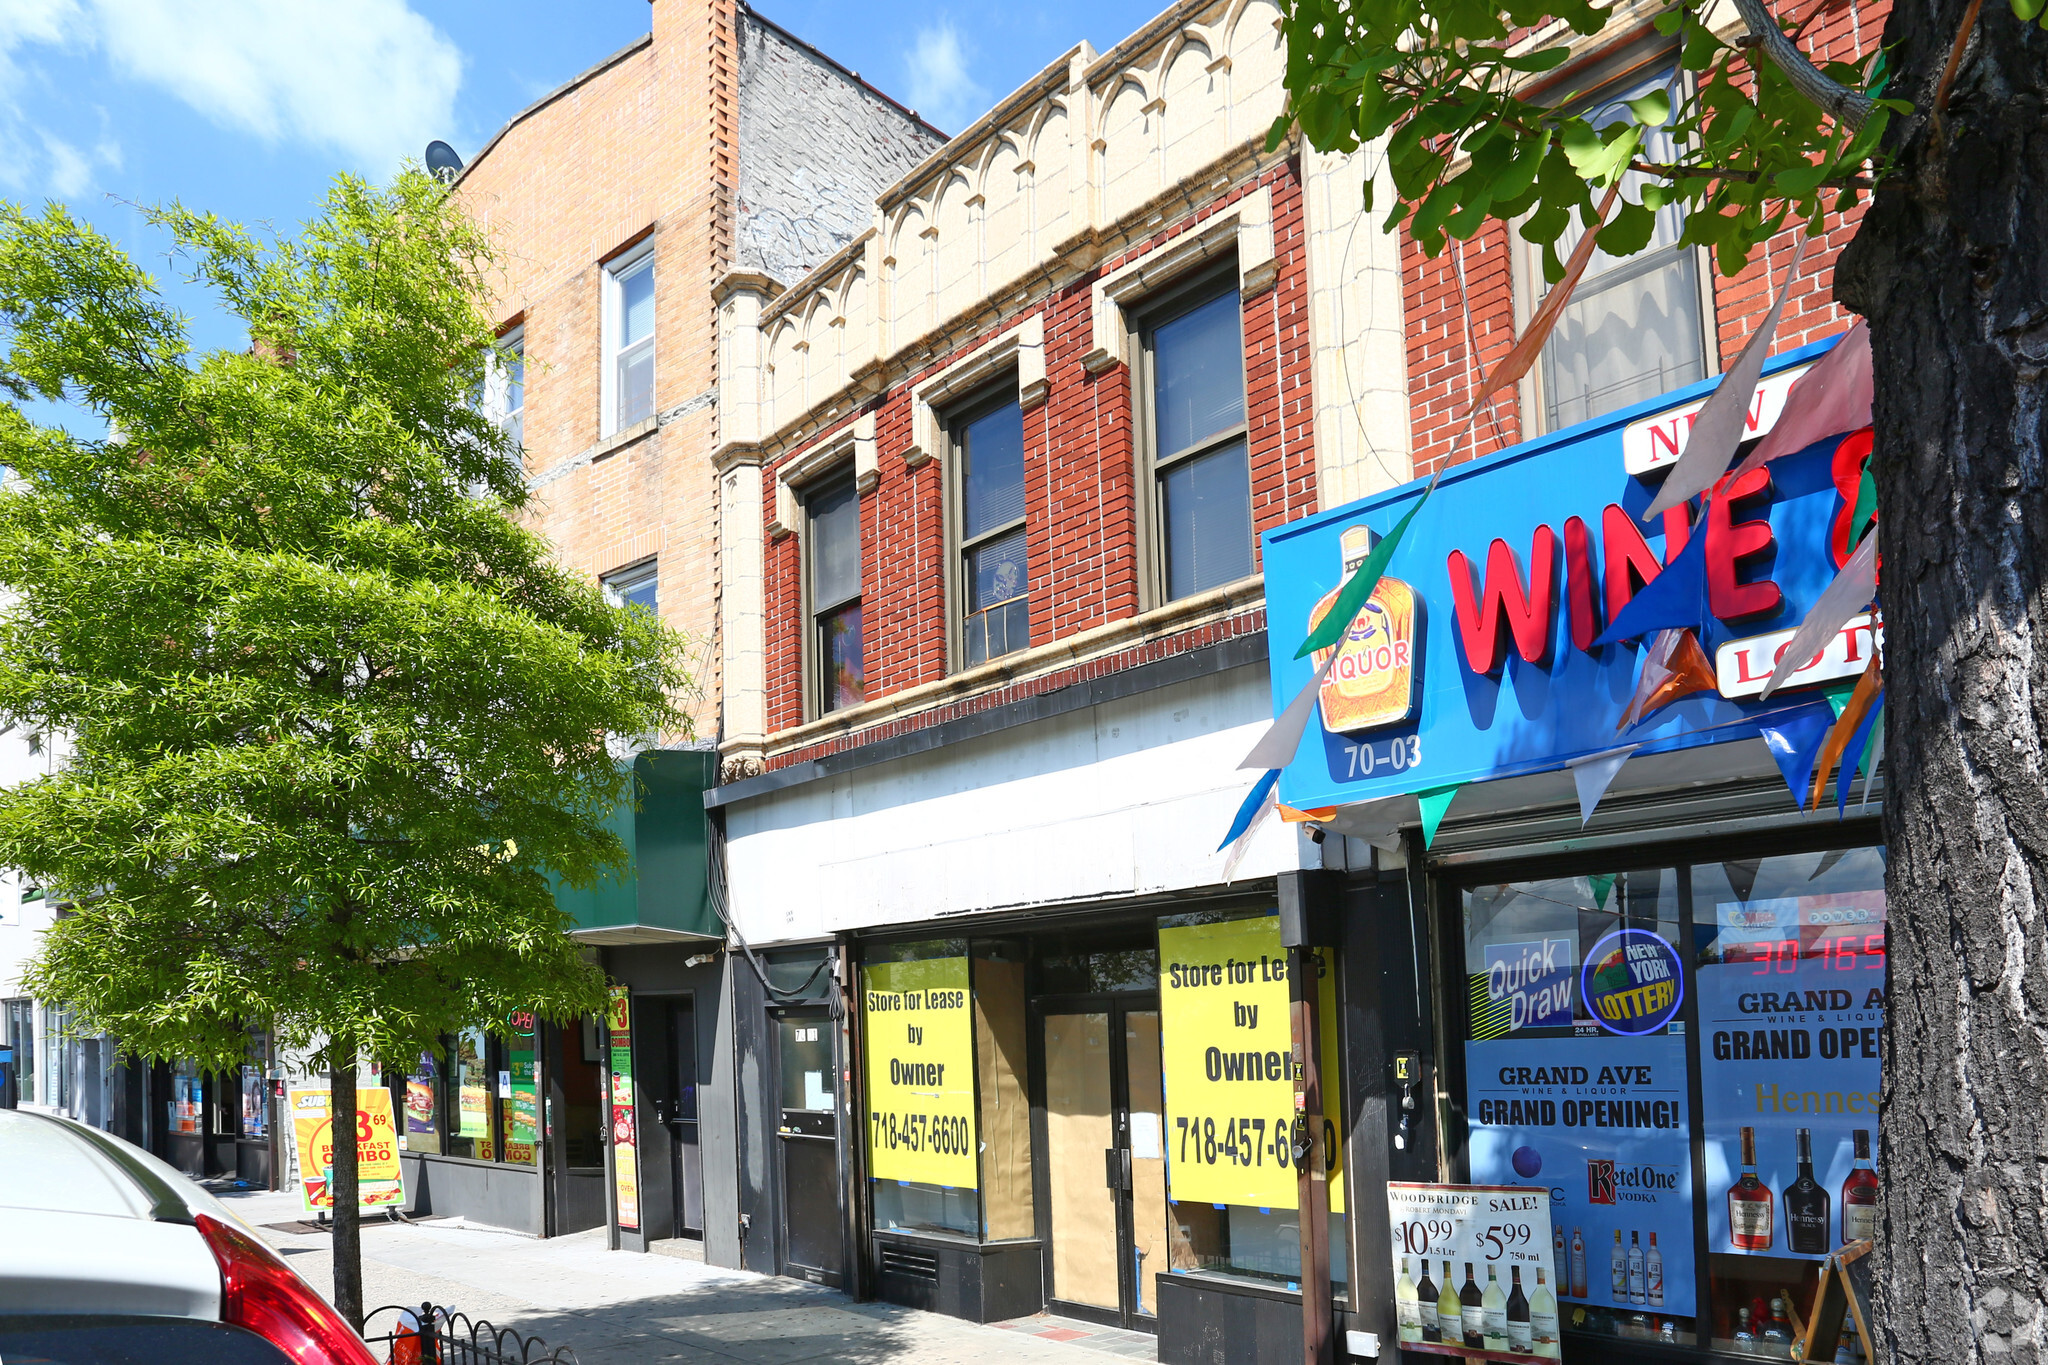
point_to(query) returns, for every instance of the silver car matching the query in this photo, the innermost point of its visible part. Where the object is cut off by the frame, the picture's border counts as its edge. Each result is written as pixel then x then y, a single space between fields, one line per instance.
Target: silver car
pixel 109 1256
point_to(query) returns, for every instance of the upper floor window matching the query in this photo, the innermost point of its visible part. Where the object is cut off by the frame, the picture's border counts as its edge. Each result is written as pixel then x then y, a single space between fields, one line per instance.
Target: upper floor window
pixel 505 386
pixel 994 582
pixel 832 548
pixel 1633 327
pixel 635 587
pixel 629 341
pixel 1192 347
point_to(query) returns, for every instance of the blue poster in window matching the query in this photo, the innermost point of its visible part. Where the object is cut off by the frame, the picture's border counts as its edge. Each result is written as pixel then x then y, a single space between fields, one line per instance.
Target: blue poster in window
pixel 1602 1121
pixel 1528 985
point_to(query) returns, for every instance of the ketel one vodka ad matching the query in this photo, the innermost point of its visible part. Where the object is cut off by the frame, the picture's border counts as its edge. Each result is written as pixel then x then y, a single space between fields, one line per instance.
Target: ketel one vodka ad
pixel 1791 1008
pixel 1597 1114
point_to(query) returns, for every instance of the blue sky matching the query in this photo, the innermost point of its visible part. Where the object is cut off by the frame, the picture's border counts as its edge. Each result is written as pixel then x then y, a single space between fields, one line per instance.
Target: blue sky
pixel 248 107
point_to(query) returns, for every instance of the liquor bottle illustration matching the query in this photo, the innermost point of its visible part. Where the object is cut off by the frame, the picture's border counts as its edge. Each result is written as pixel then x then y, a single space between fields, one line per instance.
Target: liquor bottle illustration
pixel 1859 1194
pixel 1493 1314
pixel 1519 1330
pixel 1578 1285
pixel 1807 1223
pixel 1425 1300
pixel 1653 1273
pixel 1752 1222
pixel 1617 1265
pixel 1472 1312
pixel 1372 683
pixel 1407 1308
pixel 1449 1311
pixel 1638 1289
pixel 1561 1259
pixel 1543 1321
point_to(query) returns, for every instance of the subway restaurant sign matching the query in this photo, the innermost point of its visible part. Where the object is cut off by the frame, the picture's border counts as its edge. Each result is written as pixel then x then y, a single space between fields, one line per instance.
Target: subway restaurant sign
pixel 918 1018
pixel 1229 1045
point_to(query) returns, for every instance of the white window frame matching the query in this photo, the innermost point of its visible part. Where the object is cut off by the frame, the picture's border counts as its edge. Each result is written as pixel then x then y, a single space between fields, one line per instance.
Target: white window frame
pixel 498 386
pixel 616 272
pixel 618 581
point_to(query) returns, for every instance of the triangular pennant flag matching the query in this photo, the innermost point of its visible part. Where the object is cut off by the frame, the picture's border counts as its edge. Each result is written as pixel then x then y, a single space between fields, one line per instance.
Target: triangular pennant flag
pixel 1847 719
pixel 1852 757
pixel 1594 774
pixel 1603 887
pixel 1352 596
pixel 1741 875
pixel 1849 594
pixel 1875 750
pixel 1794 740
pixel 1276 746
pixel 1434 803
pixel 1676 597
pixel 1240 845
pixel 1682 671
pixel 1261 792
pixel 1832 397
pixel 1717 430
pixel 1827 860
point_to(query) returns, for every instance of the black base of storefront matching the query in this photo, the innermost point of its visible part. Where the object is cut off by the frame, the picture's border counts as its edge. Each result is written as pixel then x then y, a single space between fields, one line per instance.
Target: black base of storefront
pixel 1205 1321
pixel 479 1191
pixel 978 1281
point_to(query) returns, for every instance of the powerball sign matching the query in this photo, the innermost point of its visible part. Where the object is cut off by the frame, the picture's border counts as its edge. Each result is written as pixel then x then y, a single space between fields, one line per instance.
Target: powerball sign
pixel 1229 1046
pixel 920 1055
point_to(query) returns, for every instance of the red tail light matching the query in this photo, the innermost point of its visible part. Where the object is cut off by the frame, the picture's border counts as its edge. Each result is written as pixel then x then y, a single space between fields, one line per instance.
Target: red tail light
pixel 261 1293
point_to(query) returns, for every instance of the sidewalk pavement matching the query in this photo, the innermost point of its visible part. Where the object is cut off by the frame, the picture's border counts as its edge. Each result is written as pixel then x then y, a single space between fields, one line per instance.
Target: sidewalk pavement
pixel 613 1307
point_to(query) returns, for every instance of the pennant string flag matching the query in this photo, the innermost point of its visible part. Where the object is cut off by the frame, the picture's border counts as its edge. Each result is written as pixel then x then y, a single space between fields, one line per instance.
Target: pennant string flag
pixel 1875 751
pixel 1594 774
pixel 1832 397
pixel 1258 807
pixel 1852 757
pixel 1275 749
pixel 1717 430
pixel 1681 671
pixel 1351 598
pixel 1434 803
pixel 1849 594
pixel 1857 707
pixel 1676 597
pixel 1794 741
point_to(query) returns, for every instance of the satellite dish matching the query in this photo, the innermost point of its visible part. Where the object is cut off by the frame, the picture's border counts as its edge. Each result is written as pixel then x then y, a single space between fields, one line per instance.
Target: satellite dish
pixel 442 162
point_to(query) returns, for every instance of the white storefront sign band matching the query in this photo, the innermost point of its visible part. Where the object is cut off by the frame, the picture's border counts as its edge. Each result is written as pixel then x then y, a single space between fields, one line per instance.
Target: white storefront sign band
pixel 1658 440
pixel 1742 667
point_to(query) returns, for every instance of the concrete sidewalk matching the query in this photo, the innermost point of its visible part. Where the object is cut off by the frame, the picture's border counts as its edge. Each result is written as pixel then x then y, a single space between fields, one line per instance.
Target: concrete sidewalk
pixel 615 1306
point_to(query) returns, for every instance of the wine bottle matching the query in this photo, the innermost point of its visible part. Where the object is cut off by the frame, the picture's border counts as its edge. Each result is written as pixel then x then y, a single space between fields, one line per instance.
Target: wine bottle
pixel 1617 1265
pixel 1751 1221
pixel 1562 1259
pixel 1449 1320
pixel 1638 1290
pixel 1807 1223
pixel 1425 1301
pixel 1543 1321
pixel 1493 1314
pixel 1653 1274
pixel 1472 1312
pixel 1859 1194
pixel 1407 1308
pixel 1578 1281
pixel 1519 1329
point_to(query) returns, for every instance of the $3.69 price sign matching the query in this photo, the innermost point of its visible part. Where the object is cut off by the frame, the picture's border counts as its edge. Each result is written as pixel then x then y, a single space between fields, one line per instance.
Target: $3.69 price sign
pixel 1500 1225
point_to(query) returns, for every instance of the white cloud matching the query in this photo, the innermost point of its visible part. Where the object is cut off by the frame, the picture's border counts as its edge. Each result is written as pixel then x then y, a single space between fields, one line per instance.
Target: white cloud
pixel 70 169
pixel 23 22
pixel 939 86
pixel 370 79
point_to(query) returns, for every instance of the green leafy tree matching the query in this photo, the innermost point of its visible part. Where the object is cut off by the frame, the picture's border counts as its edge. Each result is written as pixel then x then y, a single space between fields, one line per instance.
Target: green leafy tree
pixel 1941 136
pixel 334 715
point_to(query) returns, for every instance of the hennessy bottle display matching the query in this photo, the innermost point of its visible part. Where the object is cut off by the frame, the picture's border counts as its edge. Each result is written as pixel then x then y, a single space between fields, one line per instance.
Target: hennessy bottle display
pixel 1472 1312
pixel 1407 1308
pixel 1425 1301
pixel 1493 1314
pixel 1519 1329
pixel 1752 1222
pixel 1638 1293
pixel 1653 1274
pixel 1578 1282
pixel 1450 1326
pixel 1859 1194
pixel 1807 1221
pixel 1543 1321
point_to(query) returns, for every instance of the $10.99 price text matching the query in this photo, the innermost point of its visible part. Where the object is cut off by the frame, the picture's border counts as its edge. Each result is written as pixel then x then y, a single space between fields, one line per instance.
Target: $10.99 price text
pixel 1431 1237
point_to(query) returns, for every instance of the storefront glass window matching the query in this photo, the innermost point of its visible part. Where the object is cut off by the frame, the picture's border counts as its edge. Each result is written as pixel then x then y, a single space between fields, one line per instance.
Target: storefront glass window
pixel 21 1036
pixel 519 1089
pixel 1598 1005
pixel 423 1107
pixel 188 1095
pixel 923 1145
pixel 471 1103
pixel 1228 1129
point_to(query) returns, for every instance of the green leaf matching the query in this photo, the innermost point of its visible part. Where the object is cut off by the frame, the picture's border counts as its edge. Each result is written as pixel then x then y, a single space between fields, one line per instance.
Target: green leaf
pixel 1802 181
pixel 1628 231
pixel 1652 110
pixel 1546 58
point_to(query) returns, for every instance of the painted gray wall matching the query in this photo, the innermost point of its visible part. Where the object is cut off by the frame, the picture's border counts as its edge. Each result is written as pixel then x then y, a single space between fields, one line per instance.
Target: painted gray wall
pixel 816 148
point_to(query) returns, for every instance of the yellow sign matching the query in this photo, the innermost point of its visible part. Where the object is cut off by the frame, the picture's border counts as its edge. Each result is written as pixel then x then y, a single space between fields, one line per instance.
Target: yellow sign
pixel 378 1182
pixel 919 1021
pixel 1228 1042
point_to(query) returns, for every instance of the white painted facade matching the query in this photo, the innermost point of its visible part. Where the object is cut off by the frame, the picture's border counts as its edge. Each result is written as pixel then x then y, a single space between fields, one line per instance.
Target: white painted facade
pixel 1121 799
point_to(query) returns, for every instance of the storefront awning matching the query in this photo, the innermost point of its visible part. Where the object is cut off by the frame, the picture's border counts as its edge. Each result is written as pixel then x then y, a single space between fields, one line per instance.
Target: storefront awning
pixel 664 893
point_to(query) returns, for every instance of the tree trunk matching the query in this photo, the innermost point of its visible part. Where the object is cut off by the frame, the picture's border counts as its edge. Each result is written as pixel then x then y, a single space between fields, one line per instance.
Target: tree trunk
pixel 1951 269
pixel 348 1221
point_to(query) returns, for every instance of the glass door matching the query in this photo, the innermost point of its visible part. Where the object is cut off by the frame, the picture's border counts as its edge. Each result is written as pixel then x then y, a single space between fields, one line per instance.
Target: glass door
pixel 1105 1158
pixel 808 1137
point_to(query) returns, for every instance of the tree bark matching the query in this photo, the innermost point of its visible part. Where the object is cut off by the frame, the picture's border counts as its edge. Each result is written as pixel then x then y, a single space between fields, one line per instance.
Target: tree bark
pixel 348 1220
pixel 1950 267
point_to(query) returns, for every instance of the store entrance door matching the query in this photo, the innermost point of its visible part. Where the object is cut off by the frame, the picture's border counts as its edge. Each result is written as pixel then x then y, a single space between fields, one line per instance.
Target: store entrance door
pixel 808 1139
pixel 1105 1159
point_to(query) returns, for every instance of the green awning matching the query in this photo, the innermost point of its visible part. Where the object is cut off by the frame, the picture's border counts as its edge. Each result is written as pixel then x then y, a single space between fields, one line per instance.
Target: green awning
pixel 664 894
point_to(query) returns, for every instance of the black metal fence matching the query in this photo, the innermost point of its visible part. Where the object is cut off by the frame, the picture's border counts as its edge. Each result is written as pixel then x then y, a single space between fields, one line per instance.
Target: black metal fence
pixel 430 1335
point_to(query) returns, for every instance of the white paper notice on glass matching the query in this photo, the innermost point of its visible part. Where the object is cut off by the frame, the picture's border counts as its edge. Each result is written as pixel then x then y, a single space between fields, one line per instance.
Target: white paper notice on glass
pixel 816 1095
pixel 1144 1135
pixel 504 1085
